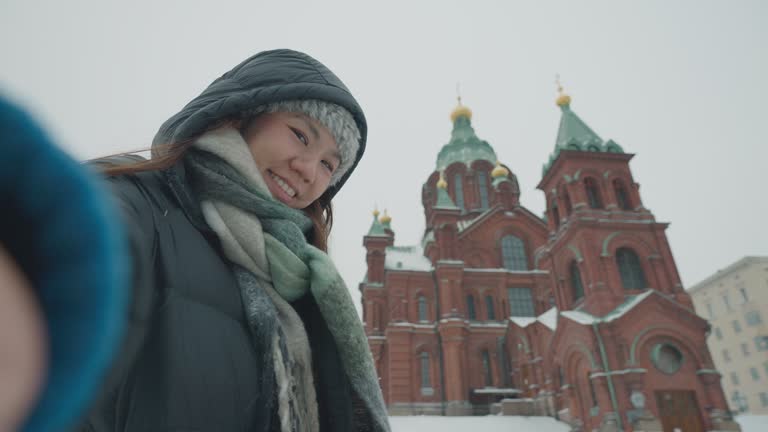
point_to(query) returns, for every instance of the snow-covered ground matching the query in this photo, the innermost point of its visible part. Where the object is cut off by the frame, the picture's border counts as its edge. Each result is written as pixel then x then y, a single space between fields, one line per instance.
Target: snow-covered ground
pixel 749 423
pixel 753 423
pixel 477 424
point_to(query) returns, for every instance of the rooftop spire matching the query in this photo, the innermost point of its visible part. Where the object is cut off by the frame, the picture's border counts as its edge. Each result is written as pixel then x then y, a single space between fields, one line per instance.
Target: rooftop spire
pixel 444 200
pixel 386 218
pixel 460 110
pixel 563 100
pixel 499 171
pixel 574 134
pixel 376 230
pixel 464 145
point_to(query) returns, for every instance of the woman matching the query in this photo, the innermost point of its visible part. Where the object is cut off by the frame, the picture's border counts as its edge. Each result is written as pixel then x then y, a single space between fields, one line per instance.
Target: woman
pixel 239 320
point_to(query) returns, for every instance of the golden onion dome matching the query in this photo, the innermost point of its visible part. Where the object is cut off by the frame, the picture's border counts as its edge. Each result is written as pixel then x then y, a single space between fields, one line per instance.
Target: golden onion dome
pixel 461 111
pixel 375 213
pixel 499 171
pixel 386 218
pixel 442 184
pixel 562 98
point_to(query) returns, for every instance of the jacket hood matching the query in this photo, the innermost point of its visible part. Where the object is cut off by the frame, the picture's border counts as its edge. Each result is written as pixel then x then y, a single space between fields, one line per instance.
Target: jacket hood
pixel 264 78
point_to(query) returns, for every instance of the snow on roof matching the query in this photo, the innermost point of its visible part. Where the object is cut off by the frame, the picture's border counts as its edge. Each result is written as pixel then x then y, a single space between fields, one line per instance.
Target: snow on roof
pixel 463 224
pixel 628 304
pixel 429 236
pixel 549 318
pixel 748 422
pixel 406 258
pixel 580 317
pixel 494 390
pixel 492 423
pixel 503 270
pixel 523 321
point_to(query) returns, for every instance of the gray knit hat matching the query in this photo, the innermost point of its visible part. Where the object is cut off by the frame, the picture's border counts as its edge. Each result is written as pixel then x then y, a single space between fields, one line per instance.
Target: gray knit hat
pixel 336 119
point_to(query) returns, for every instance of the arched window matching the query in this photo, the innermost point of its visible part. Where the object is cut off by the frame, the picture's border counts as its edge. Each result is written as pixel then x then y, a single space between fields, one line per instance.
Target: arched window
pixel 567 200
pixel 593 193
pixel 424 360
pixel 622 197
pixel 630 270
pixel 576 286
pixel 423 308
pixel 513 252
pixel 555 215
pixel 482 186
pixel 471 308
pixel 487 378
pixel 489 308
pixel 458 190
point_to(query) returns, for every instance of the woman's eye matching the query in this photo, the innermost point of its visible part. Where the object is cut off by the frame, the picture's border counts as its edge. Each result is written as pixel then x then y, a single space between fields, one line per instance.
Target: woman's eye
pixel 300 136
pixel 328 165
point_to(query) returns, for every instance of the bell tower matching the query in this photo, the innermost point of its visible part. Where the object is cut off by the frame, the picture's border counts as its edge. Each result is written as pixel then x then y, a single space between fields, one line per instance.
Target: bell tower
pixel 603 242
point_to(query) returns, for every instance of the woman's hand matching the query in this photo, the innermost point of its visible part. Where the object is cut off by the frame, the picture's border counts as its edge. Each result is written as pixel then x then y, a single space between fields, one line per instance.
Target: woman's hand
pixel 23 345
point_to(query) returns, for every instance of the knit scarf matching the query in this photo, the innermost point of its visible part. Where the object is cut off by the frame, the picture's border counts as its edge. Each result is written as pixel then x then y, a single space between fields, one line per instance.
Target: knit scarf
pixel 267 238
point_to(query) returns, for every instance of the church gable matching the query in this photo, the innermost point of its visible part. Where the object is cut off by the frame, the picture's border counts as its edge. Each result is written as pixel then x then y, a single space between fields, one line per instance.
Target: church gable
pixel 501 239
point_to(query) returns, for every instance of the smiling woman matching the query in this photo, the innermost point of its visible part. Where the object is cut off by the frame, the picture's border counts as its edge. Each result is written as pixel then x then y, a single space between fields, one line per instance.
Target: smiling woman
pixel 296 155
pixel 235 306
pixel 259 321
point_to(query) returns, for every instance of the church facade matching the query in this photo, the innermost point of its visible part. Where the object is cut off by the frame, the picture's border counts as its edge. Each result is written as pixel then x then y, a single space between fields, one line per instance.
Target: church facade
pixel 579 314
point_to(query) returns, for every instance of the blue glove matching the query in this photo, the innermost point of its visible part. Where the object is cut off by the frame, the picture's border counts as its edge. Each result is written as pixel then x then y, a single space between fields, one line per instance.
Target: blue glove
pixel 60 227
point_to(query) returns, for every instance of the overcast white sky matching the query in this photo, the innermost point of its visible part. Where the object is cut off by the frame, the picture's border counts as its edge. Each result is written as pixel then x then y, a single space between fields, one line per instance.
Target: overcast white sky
pixel 682 84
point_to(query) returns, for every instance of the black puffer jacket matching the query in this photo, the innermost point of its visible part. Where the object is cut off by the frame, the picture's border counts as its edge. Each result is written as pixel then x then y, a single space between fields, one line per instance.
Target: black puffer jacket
pixel 190 361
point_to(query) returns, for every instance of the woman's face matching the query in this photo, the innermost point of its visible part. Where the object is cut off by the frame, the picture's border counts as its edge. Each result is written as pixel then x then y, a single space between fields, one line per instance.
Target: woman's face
pixel 295 154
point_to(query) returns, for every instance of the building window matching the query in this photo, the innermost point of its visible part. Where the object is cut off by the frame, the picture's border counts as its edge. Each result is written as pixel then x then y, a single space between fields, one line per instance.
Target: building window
pixel 761 343
pixel 764 399
pixel 576 286
pixel 489 308
pixel 425 376
pixel 667 358
pixel 753 318
pixel 482 185
pixel 593 194
pixel 745 349
pixel 513 253
pixel 423 308
pixel 630 270
pixel 736 326
pixel 709 311
pixel 744 296
pixel 471 308
pixel 458 190
pixel 765 368
pixel 726 301
pixel 487 378
pixel 740 402
pixel 755 375
pixel 622 198
pixel 520 302
pixel 726 356
pixel 718 333
pixel 734 378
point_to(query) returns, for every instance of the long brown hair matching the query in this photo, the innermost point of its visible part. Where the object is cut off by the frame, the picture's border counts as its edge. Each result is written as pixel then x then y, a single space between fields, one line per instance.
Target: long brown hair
pixel 164 156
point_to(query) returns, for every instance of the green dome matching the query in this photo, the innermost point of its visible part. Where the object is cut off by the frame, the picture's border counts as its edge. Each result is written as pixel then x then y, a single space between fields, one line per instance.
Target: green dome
pixel 574 134
pixel 464 146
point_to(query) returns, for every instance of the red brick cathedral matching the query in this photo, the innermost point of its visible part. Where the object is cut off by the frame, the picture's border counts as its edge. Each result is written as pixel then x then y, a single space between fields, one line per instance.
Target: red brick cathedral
pixel 579 314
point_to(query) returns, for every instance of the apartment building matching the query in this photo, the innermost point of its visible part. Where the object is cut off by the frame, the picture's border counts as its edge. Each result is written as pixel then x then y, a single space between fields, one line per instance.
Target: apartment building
pixel 735 302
